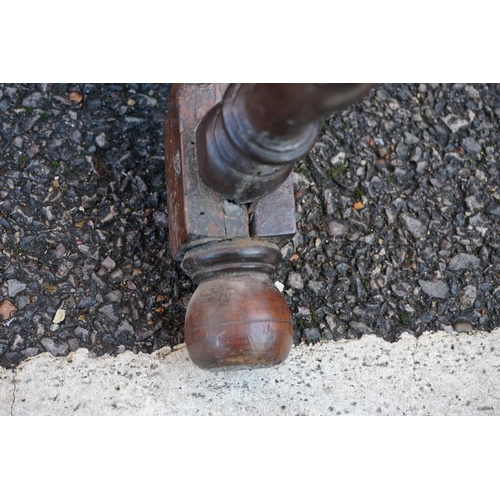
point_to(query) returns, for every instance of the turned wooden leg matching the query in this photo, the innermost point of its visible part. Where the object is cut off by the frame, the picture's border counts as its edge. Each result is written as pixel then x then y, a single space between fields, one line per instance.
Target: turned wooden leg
pixel 229 151
pixel 248 143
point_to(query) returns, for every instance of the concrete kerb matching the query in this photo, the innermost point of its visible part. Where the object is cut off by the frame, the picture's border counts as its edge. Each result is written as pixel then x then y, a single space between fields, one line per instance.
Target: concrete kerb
pixel 436 374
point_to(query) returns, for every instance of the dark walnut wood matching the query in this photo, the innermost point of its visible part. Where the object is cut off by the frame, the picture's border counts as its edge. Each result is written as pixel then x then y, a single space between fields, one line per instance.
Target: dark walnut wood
pixel 231 257
pixel 247 144
pixel 236 317
pixel 229 151
pixel 197 214
pixel 238 322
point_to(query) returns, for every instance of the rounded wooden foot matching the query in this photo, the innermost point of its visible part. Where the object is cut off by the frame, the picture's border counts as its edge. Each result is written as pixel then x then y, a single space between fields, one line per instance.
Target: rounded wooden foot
pixel 238 322
pixel 236 317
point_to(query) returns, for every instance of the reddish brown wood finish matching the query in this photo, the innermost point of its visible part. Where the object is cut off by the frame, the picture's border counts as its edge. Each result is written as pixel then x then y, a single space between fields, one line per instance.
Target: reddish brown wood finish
pixel 197 214
pixel 238 322
pixel 247 144
pixel 219 157
pixel 284 109
pixel 236 318
pixel 231 257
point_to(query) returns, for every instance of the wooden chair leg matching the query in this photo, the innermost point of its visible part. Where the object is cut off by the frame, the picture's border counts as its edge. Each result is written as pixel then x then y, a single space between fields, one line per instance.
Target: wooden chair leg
pixel 229 151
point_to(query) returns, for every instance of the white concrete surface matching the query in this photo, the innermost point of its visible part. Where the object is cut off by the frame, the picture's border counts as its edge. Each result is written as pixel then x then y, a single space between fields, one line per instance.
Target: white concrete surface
pixel 438 374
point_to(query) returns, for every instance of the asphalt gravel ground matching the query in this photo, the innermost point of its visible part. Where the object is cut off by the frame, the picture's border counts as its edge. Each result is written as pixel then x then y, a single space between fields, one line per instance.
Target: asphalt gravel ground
pixel 398 215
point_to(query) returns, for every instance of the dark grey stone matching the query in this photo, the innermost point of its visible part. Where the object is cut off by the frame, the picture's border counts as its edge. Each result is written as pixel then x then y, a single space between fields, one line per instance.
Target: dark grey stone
pixel 88 252
pixel 360 328
pixel 438 289
pixel 109 312
pixel 114 296
pixel 33 100
pixel 82 333
pixel 455 123
pixel 336 229
pixel 86 302
pixel 55 347
pixel 15 287
pixel 416 228
pixel 315 286
pixel 464 261
pixel 312 334
pixel 471 146
pixel 295 281
pixel 467 296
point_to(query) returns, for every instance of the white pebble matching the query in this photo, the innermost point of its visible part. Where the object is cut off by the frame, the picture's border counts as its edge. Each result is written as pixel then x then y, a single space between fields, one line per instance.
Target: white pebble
pixel 59 316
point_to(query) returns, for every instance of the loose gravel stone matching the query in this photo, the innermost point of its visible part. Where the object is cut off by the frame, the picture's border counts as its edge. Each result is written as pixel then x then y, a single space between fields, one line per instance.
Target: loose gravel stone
pixel 59 316
pixel 82 334
pixel 295 281
pixel 125 328
pixel 60 251
pixel 73 344
pixel 464 261
pixel 85 302
pixel 30 351
pixel 360 328
pixel 455 123
pixel 411 139
pixel 92 254
pixel 18 343
pixel 114 296
pixel 315 286
pixel 463 327
pixel 438 289
pixel 337 229
pixel 471 146
pixel 108 263
pixel 15 287
pixel 22 302
pixel 54 347
pixel 416 228
pixel 33 100
pixel 101 140
pixel 109 312
pixel 312 334
pixel 467 296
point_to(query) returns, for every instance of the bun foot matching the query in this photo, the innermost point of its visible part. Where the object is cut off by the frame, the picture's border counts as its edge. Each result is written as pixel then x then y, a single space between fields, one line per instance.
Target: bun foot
pixel 238 322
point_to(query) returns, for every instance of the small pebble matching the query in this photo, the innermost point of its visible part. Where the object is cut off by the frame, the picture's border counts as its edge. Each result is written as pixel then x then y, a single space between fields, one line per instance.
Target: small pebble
pixel 15 287
pixel 471 146
pixel 464 261
pixel 467 296
pixel 312 334
pixel 438 289
pixel 59 316
pixel 337 229
pixel 295 281
pixel 108 263
pixel 463 327
pixel 56 348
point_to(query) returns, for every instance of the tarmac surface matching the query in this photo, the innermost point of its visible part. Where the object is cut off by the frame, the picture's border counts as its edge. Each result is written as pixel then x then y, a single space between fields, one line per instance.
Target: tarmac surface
pixel 398 224
pixel 435 374
pixel 397 208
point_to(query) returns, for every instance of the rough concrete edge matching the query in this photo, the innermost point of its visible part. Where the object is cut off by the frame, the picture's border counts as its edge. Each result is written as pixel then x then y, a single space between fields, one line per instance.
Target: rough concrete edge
pixel 165 352
pixel 14 375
